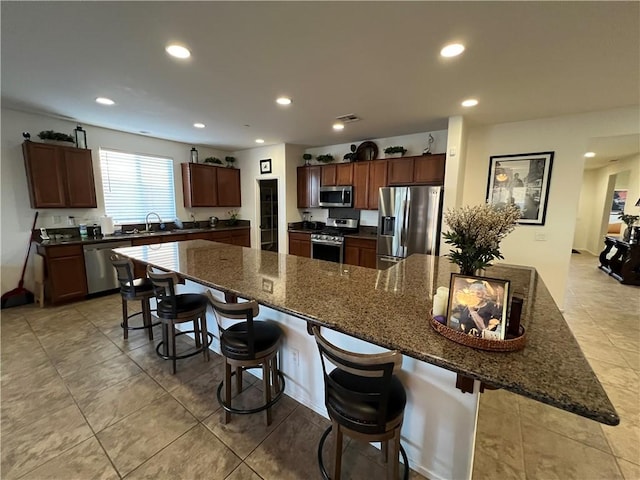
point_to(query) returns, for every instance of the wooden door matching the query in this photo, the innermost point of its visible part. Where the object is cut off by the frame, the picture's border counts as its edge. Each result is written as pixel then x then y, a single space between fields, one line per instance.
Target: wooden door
pixel 377 179
pixel 361 185
pixel 80 186
pixel 401 171
pixel 228 187
pixel 199 185
pixel 328 176
pixel 344 174
pixel 429 169
pixel 45 175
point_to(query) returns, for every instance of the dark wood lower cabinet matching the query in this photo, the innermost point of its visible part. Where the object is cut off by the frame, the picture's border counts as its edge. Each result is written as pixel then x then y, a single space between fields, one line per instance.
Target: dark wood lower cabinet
pixel 300 244
pixel 65 273
pixel 360 251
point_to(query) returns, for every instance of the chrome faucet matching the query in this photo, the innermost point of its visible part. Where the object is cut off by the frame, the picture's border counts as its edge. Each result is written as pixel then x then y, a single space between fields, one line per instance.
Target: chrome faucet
pixel 146 220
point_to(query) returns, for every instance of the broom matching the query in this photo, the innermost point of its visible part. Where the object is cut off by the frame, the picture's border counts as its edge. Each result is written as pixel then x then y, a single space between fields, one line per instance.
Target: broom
pixel 20 295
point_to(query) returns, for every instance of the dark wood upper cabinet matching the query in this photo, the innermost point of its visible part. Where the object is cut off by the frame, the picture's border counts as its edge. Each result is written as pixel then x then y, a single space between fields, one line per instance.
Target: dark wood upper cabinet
pixel 361 185
pixel 229 187
pixel 338 174
pixel 377 179
pixel 58 176
pixel 309 186
pixel 422 170
pixel 328 177
pixel 210 186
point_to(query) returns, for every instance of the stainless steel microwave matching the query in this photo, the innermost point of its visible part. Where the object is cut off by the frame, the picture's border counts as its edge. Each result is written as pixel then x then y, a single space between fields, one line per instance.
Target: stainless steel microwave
pixel 336 196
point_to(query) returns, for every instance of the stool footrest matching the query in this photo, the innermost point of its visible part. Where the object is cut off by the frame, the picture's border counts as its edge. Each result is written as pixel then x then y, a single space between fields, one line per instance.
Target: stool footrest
pixel 142 327
pixel 185 355
pixel 249 411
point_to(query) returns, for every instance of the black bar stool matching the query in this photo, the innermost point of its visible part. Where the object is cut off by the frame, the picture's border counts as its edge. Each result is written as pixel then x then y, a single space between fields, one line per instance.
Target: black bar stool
pixel 244 345
pixel 133 289
pixel 174 309
pixel 365 401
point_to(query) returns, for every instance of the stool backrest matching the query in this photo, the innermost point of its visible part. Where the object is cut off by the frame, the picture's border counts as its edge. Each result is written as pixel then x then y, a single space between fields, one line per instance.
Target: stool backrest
pixel 377 369
pixel 164 288
pixel 245 311
pixel 124 270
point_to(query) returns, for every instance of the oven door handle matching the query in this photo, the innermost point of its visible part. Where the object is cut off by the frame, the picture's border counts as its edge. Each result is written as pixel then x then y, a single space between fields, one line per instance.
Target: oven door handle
pixel 323 242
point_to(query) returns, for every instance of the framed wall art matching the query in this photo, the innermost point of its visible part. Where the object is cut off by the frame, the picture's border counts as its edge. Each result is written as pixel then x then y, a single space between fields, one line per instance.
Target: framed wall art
pixel 265 166
pixel 521 179
pixel 619 202
pixel 478 306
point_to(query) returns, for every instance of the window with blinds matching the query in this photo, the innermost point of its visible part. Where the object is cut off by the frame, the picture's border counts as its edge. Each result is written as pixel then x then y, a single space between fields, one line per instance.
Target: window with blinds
pixel 135 185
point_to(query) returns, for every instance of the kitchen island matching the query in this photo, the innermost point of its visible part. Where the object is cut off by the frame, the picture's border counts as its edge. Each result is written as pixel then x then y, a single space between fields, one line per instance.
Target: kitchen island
pixel 391 309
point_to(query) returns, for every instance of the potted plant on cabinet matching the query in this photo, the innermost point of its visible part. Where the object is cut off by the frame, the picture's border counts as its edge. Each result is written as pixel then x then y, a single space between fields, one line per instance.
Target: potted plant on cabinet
pixel 49 136
pixel 214 160
pixel 230 161
pixel 326 158
pixel 397 151
pixel 351 156
pixel 307 158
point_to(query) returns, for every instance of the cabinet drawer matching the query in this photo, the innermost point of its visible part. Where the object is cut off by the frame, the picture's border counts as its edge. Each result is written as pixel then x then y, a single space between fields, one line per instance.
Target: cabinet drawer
pixel 361 242
pixel 64 251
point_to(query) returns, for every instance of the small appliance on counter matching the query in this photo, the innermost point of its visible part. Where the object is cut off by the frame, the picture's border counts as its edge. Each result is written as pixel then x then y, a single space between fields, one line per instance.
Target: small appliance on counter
pixel 106 225
pixel 96 231
pixel 213 222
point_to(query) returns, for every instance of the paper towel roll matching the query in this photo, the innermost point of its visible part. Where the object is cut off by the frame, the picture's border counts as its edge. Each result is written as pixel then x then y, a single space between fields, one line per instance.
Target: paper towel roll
pixel 106 223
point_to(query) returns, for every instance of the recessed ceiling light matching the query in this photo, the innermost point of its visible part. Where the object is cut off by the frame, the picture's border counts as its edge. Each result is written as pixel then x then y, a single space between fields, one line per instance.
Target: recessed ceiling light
pixel 452 50
pixel 199 125
pixel 259 140
pixel 338 126
pixel 178 51
pixel 590 154
pixel 470 102
pixel 104 101
pixel 283 101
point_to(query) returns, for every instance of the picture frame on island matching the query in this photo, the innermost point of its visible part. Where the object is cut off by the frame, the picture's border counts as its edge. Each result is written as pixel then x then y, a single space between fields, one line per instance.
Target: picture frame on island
pixel 523 180
pixel 478 306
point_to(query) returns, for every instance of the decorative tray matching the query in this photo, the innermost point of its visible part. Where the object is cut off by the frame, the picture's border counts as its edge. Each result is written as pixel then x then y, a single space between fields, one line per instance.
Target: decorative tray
pixel 507 345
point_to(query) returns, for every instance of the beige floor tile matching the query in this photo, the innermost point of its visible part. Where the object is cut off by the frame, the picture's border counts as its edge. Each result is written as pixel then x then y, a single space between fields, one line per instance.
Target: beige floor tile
pixel 196 454
pixel 136 438
pixel 85 357
pixel 626 403
pixel 630 471
pixel 565 423
pixel 498 439
pixel 87 381
pixel 199 395
pixel 86 461
pixel 40 441
pixel 243 472
pixel 625 441
pixel 136 338
pixel 632 358
pixel 108 406
pixel 626 341
pixel 485 467
pixel 611 374
pixel 551 456
pixel 245 432
pixel 500 400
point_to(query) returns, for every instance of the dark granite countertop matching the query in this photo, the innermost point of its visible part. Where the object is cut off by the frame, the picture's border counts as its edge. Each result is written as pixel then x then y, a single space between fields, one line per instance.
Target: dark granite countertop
pixel 131 236
pixel 391 308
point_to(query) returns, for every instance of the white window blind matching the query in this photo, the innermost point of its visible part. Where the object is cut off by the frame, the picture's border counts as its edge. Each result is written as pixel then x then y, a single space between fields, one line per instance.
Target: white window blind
pixel 135 185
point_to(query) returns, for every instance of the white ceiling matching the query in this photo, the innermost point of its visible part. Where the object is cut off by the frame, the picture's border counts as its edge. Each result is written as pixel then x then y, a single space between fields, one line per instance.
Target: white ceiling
pixel 378 60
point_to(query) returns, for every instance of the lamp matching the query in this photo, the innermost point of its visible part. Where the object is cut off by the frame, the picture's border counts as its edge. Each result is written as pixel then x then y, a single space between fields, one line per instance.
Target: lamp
pixel 194 155
pixel 81 137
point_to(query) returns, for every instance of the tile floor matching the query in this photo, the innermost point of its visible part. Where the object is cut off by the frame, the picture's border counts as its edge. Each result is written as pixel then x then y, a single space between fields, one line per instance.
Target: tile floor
pixel 78 402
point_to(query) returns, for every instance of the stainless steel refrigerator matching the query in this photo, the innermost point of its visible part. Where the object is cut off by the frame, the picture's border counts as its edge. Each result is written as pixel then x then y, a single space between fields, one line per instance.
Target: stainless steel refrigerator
pixel 408 222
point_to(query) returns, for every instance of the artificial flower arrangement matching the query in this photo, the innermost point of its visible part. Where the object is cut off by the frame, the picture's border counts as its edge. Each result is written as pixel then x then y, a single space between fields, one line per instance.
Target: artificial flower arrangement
pixel 476 233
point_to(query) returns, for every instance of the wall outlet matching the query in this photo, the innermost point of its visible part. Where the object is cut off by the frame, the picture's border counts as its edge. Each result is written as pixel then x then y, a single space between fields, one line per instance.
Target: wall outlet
pixel 295 357
pixel 541 237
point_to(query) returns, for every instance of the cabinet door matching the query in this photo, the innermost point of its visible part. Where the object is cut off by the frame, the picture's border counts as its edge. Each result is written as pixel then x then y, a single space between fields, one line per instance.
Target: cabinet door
pixel 429 169
pixel 66 278
pixel 241 237
pixel 351 255
pixel 80 186
pixel 229 187
pixel 401 171
pixel 199 185
pixel 224 236
pixel 45 175
pixel 377 179
pixel 309 186
pixel 344 174
pixel 361 185
pixel 328 176
pixel 300 244
pixel 368 257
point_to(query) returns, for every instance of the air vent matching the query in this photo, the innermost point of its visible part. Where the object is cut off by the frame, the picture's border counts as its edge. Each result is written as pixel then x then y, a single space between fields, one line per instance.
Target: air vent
pixel 349 118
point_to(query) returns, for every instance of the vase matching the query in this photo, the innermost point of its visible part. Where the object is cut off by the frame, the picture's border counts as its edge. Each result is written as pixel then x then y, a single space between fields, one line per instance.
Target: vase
pixel 626 236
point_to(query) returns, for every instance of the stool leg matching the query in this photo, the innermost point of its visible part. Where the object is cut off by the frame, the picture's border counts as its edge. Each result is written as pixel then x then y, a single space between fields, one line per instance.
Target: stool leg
pixel 205 337
pixel 385 450
pixel 125 319
pixel 274 373
pixel 338 451
pixel 393 464
pixel 226 416
pixel 173 346
pixel 165 339
pixel 146 316
pixel 196 330
pixel 266 385
pixel 238 380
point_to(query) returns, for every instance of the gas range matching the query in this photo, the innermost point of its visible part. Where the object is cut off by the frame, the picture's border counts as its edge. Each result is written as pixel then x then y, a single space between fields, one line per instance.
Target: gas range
pixel 333 233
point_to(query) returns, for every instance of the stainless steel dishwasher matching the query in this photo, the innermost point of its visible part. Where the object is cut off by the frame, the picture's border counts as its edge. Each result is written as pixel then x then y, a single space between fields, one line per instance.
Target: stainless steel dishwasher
pixel 101 275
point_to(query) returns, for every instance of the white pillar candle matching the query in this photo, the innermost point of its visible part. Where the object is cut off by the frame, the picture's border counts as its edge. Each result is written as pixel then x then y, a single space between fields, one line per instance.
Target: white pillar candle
pixel 439 305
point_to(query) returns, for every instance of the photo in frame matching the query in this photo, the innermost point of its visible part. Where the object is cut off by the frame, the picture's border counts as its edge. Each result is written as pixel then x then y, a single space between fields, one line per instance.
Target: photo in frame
pixel 265 166
pixel 521 179
pixel 619 201
pixel 478 306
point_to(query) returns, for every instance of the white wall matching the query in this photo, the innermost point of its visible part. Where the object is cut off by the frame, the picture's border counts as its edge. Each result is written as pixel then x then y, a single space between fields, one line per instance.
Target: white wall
pixel 568 137
pixel 17 214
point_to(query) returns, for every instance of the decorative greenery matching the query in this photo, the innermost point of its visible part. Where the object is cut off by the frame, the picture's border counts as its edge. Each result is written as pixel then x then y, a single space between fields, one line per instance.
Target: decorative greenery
pixel 307 157
pixel 233 217
pixel 51 135
pixel 215 160
pixel 629 219
pixel 396 149
pixel 327 158
pixel 351 157
pixel 476 233
pixel 230 161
